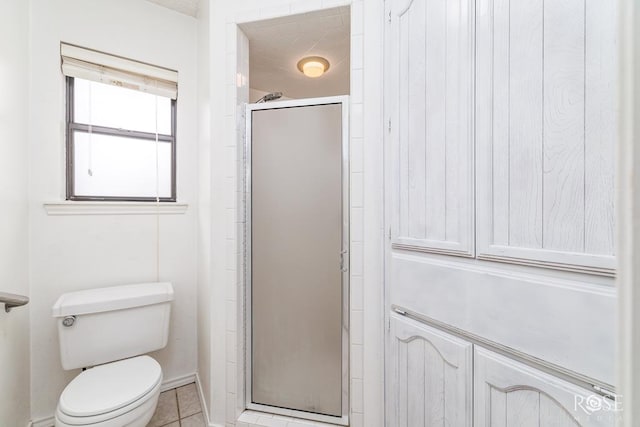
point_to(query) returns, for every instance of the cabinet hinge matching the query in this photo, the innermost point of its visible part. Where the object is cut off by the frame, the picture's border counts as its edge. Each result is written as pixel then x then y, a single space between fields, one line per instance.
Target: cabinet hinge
pixel 389 125
pixel 389 17
pixel 389 233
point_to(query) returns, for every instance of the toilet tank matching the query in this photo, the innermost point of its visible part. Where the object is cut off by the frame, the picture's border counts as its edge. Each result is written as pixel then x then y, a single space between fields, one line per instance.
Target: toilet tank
pixel 97 326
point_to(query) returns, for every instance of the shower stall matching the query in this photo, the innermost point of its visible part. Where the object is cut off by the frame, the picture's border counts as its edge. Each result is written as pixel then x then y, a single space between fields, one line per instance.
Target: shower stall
pixel 297 258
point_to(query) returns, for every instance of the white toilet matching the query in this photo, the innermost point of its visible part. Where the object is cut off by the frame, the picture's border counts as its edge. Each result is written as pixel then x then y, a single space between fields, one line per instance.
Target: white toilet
pixel 109 330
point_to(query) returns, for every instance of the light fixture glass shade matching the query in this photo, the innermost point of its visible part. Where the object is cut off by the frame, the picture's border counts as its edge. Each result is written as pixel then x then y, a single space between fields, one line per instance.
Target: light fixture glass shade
pixel 313 66
pixel 313 69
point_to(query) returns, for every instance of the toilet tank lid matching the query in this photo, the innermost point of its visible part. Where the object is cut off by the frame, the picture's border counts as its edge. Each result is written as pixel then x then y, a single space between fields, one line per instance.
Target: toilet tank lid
pixel 112 298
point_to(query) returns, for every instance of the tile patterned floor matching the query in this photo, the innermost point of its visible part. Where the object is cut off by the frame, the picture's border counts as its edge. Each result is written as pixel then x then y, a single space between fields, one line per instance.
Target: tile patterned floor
pixel 179 407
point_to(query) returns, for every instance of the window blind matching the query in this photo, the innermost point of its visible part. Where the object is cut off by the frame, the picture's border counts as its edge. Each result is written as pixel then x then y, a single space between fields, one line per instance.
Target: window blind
pixel 114 70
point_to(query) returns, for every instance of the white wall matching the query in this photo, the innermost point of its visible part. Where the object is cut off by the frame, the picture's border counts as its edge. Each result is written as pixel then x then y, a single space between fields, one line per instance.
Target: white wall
pixel 204 205
pixel 14 129
pixel 78 252
pixel 215 285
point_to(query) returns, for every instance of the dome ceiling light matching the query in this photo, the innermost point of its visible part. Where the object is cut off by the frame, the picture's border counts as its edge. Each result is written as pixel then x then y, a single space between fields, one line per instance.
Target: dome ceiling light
pixel 313 66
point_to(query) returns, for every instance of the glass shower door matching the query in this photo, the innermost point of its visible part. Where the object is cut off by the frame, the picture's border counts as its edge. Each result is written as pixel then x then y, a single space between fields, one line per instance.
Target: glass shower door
pixel 298 240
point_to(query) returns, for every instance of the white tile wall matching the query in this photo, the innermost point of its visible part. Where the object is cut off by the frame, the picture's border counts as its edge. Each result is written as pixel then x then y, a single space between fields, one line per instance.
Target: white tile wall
pixel 247 16
pixel 357 18
pixel 230 223
pixel 356 86
pixel 231 346
pixel 356 190
pixel 357 215
pixel 357 164
pixel 275 11
pixel 356 225
pixel 356 259
pixel 303 6
pixel 356 396
pixel 356 293
pixel 357 420
pixel 357 55
pixel 237 94
pixel 356 326
pixel 231 377
pixel 356 361
pixel 326 4
pixel 357 124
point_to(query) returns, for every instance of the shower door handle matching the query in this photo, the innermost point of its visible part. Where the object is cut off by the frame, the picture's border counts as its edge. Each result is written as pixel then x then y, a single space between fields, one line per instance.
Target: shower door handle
pixel 344 267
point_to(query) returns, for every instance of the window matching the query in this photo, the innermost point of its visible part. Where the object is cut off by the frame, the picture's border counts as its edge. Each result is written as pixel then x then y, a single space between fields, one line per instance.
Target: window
pixel 121 128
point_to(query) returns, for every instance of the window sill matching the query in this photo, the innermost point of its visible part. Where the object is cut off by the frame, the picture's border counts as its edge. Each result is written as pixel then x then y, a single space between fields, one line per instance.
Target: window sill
pixel 114 208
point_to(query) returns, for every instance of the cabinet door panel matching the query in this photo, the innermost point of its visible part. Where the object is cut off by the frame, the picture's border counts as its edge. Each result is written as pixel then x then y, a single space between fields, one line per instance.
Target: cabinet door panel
pixel 545 132
pixel 430 104
pixel 430 377
pixel 509 394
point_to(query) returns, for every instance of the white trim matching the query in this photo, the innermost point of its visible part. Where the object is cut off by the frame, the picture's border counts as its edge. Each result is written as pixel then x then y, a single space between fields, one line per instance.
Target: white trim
pixel 203 405
pixel 115 208
pixel 548 258
pixel 178 382
pixel 561 260
pixel 628 212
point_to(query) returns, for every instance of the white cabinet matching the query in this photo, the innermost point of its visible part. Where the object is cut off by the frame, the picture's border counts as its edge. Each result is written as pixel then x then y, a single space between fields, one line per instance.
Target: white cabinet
pixel 510 394
pixel 524 127
pixel 430 376
pixel 436 379
pixel 545 132
pixel 429 100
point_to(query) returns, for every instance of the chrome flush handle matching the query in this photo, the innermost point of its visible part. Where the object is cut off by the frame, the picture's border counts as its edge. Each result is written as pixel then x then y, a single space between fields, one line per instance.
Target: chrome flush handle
pixel 68 321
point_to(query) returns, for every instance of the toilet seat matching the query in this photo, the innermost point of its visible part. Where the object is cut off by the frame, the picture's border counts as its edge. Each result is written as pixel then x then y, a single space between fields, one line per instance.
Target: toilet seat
pixel 110 391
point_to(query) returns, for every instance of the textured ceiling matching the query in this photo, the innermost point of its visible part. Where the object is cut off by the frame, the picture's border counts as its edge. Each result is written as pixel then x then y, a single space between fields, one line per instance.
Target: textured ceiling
pixel 188 7
pixel 276 46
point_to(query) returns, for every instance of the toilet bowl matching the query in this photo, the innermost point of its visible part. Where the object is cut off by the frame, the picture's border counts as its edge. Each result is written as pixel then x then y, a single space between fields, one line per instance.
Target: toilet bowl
pixel 117 394
pixel 109 330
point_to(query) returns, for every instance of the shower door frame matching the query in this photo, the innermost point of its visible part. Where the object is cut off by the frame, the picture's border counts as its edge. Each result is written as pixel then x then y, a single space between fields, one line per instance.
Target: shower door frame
pixel 346 251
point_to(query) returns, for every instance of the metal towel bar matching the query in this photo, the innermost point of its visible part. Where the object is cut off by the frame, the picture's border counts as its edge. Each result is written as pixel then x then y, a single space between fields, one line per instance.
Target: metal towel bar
pixel 12 300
